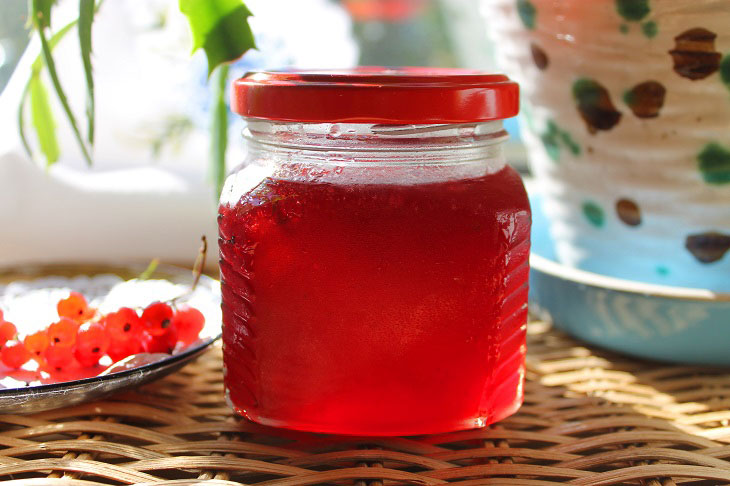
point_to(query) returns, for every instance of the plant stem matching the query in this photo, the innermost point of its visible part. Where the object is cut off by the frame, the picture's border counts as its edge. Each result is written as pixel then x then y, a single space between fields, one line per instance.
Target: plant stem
pixel 21 120
pixel 219 128
pixel 86 18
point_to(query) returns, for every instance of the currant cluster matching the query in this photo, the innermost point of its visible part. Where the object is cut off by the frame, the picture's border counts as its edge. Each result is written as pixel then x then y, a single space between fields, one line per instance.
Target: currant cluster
pixel 82 336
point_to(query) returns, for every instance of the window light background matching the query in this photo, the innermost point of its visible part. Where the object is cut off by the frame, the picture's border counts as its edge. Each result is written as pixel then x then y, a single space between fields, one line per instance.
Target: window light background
pixel 149 193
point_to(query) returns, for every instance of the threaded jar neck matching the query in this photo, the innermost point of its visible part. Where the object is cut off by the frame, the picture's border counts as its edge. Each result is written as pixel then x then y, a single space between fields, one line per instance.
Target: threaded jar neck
pixel 361 143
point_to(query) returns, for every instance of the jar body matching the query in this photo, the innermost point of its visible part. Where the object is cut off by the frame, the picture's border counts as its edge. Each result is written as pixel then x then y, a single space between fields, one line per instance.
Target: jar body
pixel 374 284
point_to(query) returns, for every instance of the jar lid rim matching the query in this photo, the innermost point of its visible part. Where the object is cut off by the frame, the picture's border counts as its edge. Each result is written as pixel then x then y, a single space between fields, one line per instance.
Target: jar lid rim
pixel 408 95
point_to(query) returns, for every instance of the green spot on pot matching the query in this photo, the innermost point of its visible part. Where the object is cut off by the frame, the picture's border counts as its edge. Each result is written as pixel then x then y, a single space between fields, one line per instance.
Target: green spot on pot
pixel 551 146
pixel 550 140
pixel 527 13
pixel 569 142
pixel 554 137
pixel 662 270
pixel 623 28
pixel 649 29
pixel 633 10
pixel 725 70
pixel 629 97
pixel 593 213
pixel 714 163
pixel 586 91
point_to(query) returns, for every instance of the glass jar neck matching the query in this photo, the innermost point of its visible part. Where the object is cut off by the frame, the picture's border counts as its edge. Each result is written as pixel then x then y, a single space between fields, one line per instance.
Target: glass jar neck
pixel 360 143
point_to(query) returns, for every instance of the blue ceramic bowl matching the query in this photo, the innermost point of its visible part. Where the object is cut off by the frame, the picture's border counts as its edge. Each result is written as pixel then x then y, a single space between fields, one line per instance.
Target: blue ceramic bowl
pixel 658 322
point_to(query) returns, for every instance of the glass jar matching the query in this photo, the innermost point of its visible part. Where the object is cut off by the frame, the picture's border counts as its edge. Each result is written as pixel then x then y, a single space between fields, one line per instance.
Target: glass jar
pixel 374 253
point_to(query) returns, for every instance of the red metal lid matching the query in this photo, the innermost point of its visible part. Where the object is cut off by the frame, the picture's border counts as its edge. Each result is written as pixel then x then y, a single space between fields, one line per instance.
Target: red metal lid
pixel 376 95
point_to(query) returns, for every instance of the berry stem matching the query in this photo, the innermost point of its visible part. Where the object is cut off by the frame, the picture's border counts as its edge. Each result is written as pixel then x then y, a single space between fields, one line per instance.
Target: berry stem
pixel 147 273
pixel 199 264
pixel 198 268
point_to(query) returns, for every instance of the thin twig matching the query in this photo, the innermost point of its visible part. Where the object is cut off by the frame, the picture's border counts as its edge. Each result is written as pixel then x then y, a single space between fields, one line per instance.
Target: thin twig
pixel 199 265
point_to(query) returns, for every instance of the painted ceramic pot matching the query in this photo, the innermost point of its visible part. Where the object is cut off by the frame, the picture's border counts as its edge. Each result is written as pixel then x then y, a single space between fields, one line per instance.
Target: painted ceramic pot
pixel 659 322
pixel 626 108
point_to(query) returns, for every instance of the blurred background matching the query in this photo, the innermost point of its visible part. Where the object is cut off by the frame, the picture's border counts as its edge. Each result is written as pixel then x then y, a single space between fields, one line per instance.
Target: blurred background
pixel 151 173
pixel 445 33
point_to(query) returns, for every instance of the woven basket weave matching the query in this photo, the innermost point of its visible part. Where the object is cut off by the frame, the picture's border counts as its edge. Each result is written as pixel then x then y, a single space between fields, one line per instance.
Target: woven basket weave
pixel 589 418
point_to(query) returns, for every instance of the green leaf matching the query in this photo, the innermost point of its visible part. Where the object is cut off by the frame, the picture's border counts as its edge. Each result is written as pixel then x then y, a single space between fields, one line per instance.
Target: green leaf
pixel 41 13
pixel 42 119
pixel 51 67
pixel 35 71
pixel 44 7
pixel 220 27
pixel 219 129
pixel 53 41
pixel 86 18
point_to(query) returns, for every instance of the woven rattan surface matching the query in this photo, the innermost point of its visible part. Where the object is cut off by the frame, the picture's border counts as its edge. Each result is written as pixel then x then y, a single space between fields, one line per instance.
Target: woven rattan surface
pixel 590 418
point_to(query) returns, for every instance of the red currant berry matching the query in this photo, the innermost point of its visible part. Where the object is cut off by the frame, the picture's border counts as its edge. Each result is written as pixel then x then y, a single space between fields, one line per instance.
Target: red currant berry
pixel 75 307
pixel 36 344
pixel 14 355
pixel 63 333
pixel 189 322
pixel 7 331
pixel 124 324
pixel 118 350
pixel 157 317
pixel 92 342
pixel 164 343
pixel 58 357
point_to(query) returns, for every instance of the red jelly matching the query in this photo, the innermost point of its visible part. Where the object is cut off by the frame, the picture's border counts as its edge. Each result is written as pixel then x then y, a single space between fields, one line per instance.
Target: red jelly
pixel 374 276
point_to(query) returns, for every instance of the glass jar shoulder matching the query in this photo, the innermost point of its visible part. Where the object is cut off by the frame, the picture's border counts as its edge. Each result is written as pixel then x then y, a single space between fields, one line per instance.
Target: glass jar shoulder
pixel 472 187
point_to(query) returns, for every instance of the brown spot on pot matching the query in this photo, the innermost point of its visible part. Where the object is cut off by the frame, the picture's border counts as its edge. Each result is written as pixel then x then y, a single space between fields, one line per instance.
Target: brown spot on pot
pixel 708 247
pixel 595 105
pixel 694 54
pixel 539 56
pixel 628 212
pixel 646 99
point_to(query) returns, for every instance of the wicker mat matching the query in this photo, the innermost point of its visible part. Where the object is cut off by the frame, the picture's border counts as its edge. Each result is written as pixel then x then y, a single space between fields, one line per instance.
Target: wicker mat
pixel 590 418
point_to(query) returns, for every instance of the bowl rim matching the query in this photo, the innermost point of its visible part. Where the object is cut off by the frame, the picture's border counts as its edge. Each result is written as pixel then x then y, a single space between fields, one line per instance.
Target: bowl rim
pixel 40 270
pixel 584 277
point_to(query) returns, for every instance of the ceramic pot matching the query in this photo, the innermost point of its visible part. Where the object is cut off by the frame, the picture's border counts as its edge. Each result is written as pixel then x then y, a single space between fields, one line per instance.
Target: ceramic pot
pixel 626 114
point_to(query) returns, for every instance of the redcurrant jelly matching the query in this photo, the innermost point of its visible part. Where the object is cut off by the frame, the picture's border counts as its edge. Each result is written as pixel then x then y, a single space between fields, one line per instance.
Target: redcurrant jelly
pixel 374 255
